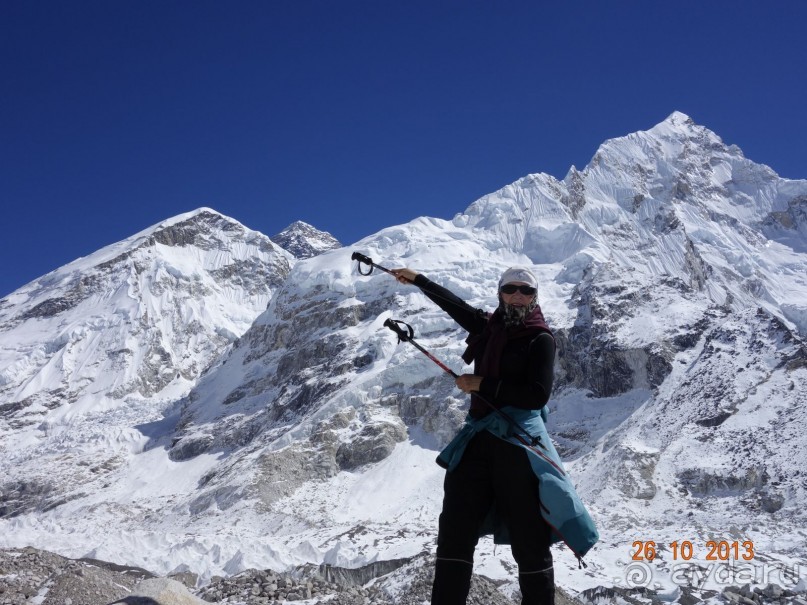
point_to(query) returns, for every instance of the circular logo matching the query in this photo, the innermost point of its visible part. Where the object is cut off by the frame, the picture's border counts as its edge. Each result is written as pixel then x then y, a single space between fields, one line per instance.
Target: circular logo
pixel 638 575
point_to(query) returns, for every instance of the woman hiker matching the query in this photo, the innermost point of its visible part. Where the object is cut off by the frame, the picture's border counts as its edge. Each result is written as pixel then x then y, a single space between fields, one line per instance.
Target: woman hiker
pixel 494 483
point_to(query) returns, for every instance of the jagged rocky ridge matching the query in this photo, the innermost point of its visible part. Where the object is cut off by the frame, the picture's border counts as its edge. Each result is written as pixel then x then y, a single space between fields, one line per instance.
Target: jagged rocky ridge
pixel 304 241
pixel 673 271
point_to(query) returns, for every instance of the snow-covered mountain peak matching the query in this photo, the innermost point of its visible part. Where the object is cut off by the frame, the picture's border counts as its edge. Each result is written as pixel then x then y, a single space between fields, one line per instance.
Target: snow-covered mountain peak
pixel 679 117
pixel 304 241
pixel 661 149
pixel 204 228
pixel 203 213
pixel 649 199
pixel 140 319
pixel 184 216
pixel 677 121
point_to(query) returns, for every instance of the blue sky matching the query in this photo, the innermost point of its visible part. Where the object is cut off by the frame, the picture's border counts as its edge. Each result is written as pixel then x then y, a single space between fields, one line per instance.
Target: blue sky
pixel 355 115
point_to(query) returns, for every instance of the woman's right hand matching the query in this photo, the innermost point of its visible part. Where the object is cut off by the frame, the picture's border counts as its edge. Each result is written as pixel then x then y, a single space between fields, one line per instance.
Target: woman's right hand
pixel 404 275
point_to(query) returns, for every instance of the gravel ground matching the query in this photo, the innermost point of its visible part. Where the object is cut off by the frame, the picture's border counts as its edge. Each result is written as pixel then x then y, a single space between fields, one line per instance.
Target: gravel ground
pixel 30 576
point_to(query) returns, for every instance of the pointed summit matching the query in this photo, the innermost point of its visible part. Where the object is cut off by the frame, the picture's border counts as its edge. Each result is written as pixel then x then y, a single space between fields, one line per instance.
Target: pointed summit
pixel 680 126
pixel 304 241
pixel 676 147
pixel 678 117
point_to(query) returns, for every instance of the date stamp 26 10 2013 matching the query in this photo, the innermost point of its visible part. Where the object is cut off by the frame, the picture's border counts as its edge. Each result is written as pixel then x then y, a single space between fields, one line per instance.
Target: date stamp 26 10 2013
pixel 684 550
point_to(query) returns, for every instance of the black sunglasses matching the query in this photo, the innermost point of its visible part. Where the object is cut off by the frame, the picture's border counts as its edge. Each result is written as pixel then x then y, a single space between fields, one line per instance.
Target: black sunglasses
pixel 512 288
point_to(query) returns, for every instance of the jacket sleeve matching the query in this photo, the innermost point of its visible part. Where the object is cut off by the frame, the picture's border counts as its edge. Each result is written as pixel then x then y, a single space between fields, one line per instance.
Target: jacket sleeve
pixel 470 319
pixel 533 392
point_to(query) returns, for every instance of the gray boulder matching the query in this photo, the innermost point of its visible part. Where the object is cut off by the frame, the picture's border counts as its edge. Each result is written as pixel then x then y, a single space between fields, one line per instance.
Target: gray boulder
pixel 161 591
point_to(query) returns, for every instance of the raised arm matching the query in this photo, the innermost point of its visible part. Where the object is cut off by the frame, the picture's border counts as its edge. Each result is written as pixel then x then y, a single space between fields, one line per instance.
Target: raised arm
pixel 470 319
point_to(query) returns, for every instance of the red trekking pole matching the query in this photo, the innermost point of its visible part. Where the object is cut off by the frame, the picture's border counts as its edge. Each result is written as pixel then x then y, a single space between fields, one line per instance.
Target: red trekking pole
pixel 527 439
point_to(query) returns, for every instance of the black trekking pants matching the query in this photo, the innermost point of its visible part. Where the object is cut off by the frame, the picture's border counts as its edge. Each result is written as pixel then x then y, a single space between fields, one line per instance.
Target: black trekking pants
pixel 492 473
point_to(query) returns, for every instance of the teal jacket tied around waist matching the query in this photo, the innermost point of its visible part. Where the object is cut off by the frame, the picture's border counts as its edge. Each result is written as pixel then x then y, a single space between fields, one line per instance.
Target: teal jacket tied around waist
pixel 561 507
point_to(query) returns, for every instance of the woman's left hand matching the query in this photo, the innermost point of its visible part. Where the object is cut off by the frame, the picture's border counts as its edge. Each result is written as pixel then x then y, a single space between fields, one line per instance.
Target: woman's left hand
pixel 469 383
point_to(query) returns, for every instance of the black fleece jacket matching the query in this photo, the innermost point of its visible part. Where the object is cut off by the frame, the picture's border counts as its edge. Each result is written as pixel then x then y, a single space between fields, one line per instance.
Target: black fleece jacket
pixel 526 370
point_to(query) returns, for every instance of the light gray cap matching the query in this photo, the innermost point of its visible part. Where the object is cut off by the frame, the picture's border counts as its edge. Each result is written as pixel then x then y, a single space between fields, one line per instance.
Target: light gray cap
pixel 518 274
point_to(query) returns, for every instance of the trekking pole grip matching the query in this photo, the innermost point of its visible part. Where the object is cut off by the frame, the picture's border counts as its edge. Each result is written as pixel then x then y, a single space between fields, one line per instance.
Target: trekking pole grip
pixel 366 260
pixel 403 335
pixel 361 258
